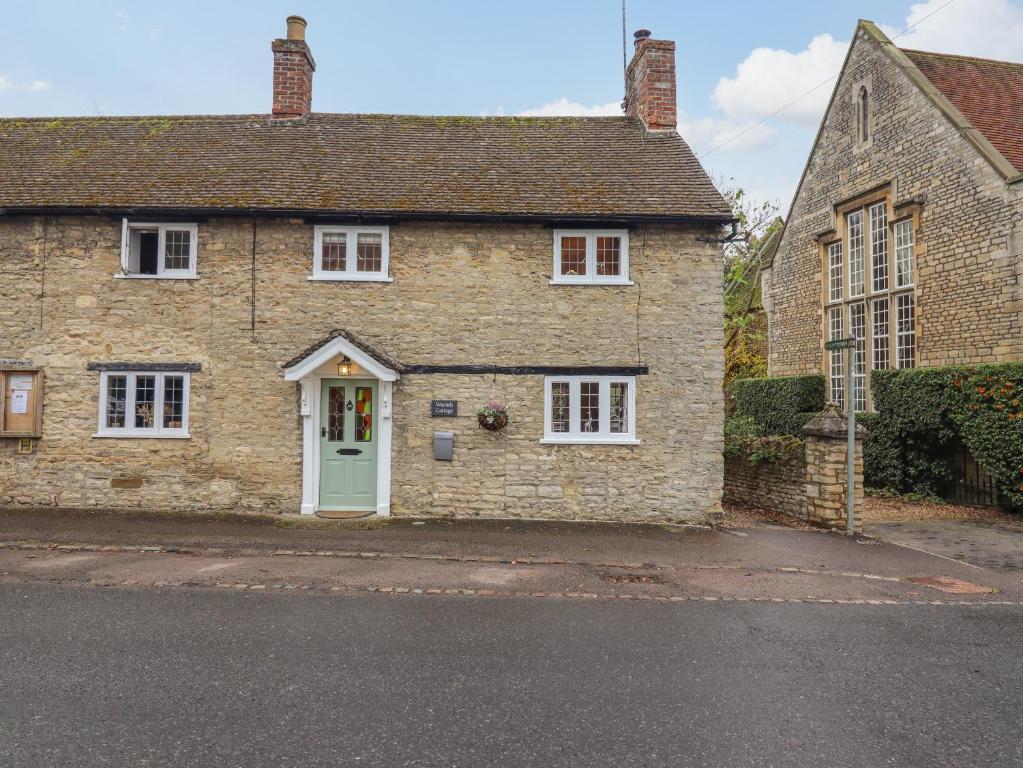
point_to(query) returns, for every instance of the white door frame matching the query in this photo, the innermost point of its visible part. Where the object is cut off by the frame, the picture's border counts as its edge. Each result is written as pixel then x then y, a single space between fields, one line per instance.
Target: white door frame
pixel 310 383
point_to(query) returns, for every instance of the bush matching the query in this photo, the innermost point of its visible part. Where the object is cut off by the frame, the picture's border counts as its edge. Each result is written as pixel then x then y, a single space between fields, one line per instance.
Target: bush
pixel 780 405
pixel 738 429
pixel 920 413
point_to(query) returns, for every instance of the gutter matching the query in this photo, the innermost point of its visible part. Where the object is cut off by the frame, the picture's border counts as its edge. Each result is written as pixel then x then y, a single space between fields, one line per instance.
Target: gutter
pixel 360 217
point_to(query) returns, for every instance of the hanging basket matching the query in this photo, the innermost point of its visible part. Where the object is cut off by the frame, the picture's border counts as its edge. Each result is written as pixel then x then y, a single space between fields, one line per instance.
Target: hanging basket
pixel 495 423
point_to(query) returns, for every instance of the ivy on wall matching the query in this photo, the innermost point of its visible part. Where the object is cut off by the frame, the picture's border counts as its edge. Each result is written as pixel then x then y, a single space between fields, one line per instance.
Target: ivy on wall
pixel 920 413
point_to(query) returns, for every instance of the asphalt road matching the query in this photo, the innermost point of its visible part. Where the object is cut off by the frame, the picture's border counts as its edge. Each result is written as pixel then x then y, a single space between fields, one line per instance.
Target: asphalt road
pixel 146 677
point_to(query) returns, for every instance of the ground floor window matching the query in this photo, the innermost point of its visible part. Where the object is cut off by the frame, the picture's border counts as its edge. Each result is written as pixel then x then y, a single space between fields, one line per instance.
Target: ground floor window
pixel 143 404
pixel 589 409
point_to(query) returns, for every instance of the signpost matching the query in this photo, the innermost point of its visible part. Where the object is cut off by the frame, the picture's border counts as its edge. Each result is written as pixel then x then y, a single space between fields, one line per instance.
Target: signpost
pixel 850 450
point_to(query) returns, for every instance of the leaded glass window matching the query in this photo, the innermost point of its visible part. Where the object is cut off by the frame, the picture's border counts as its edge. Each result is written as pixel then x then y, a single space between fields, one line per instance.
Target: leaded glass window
pixel 143 404
pixel 334 252
pixel 880 333
pixel 589 406
pixel 837 357
pixel 363 414
pixel 903 253
pixel 573 256
pixel 835 276
pixel 351 253
pixel 905 331
pixel 855 227
pixel 879 247
pixel 588 409
pixel 117 401
pixel 561 415
pixel 335 414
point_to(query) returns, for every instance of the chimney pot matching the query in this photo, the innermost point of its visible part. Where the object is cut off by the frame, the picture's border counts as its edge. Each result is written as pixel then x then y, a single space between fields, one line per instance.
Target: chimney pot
pixel 296 28
pixel 293 72
pixel 650 83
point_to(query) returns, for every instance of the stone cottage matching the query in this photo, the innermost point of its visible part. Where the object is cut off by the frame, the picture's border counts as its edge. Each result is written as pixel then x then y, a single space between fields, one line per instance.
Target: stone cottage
pixel 906 231
pixel 301 311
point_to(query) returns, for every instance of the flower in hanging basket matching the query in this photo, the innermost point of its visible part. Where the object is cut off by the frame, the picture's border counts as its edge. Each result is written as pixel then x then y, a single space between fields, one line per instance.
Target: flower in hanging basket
pixel 492 416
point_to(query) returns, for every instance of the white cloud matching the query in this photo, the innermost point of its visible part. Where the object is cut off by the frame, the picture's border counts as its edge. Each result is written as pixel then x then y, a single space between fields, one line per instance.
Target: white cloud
pixel 769 78
pixel 991 29
pixel 9 84
pixel 564 108
pixel 706 133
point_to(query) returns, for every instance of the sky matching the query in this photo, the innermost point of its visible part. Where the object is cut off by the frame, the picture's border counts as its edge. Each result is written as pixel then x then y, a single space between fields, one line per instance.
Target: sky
pixel 738 62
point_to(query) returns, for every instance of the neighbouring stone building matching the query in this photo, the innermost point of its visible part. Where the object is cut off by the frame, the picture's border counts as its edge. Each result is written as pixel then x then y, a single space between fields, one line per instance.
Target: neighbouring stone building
pixel 906 231
pixel 302 311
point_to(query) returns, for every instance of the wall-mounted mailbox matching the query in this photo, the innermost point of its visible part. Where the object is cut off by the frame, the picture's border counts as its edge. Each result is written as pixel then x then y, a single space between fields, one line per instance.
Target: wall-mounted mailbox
pixel 21 402
pixel 444 446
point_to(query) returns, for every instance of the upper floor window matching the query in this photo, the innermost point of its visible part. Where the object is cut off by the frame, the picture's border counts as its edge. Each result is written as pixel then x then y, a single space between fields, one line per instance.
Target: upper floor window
pixel 351 253
pixel 903 253
pixel 589 409
pixel 158 250
pixel 591 256
pixel 870 297
pixel 143 404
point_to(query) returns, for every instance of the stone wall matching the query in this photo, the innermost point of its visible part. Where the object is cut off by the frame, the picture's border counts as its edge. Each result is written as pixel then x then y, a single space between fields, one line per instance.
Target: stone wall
pixel 810 484
pixel 969 229
pixel 462 294
pixel 775 486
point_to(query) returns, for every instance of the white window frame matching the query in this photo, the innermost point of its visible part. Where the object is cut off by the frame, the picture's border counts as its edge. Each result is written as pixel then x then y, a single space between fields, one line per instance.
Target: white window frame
pixel 577 437
pixel 858 332
pixel 351 272
pixel 836 361
pixel 836 273
pixel 856 252
pixel 902 234
pixel 879 247
pixel 905 338
pixel 161 228
pixel 158 430
pixel 591 277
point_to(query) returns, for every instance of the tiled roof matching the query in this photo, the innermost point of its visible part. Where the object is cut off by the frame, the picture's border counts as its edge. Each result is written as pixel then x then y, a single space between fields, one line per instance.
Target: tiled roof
pixel 383 164
pixel 988 93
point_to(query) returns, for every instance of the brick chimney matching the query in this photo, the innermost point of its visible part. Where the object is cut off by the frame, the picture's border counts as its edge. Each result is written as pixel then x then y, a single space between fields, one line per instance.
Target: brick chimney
pixel 293 72
pixel 650 83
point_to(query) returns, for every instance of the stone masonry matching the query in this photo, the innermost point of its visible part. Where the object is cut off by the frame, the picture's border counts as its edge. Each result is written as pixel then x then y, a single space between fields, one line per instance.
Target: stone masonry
pixel 968 224
pixel 462 293
pixel 811 488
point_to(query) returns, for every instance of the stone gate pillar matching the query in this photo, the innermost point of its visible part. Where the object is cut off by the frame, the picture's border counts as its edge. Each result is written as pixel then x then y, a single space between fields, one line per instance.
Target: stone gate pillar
pixel 826 469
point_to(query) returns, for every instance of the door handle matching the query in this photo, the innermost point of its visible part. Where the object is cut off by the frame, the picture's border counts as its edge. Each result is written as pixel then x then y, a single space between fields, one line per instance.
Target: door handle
pixel 323 431
pixel 349 451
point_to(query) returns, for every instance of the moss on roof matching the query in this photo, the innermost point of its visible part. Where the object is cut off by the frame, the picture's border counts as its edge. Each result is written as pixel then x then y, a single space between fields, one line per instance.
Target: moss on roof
pixel 389 164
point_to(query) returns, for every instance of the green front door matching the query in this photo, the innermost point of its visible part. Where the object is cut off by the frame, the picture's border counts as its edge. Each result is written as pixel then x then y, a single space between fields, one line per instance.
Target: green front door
pixel 348 445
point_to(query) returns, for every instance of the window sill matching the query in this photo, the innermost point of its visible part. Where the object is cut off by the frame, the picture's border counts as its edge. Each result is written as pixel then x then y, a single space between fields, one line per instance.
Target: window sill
pixel 122 276
pixel 351 279
pixel 589 441
pixel 616 281
pixel 144 435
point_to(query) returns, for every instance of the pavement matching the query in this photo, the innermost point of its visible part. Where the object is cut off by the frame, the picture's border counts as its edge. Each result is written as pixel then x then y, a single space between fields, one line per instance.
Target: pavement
pixel 488 558
pixel 160 677
pixel 996 545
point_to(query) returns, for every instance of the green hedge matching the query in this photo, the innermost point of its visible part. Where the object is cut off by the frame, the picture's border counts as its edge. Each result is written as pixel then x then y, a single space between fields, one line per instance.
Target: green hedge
pixel 921 412
pixel 780 405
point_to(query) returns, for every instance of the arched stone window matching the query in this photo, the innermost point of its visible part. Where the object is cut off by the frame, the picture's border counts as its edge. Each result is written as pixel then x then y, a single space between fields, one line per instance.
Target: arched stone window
pixel 863 115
